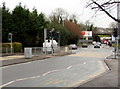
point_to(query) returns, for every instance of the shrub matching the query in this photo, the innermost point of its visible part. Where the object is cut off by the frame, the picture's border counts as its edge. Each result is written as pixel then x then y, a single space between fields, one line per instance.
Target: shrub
pixel 17 47
pixel 114 45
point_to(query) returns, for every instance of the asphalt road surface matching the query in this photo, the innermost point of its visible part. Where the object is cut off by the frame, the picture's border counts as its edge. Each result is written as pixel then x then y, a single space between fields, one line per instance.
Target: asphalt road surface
pixel 65 71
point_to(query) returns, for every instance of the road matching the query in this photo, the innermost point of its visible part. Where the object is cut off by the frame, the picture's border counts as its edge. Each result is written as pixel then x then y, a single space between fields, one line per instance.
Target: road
pixel 64 71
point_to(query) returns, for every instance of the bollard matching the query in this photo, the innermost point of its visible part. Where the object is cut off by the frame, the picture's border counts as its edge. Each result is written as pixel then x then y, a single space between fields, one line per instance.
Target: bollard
pixel 66 49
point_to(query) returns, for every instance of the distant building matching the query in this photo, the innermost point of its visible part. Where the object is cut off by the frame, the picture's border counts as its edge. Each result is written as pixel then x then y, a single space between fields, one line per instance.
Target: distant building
pixel 86 37
pixel 102 33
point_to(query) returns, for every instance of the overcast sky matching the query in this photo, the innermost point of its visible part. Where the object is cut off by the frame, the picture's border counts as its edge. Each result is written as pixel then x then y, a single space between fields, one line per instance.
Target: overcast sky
pixel 71 6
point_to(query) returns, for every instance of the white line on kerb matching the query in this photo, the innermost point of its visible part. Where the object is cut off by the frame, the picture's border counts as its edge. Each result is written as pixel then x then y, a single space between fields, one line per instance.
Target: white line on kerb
pixel 16 65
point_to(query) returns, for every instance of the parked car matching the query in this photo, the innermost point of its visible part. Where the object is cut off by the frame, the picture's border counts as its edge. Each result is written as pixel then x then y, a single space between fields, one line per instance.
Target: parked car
pixel 72 46
pixel 99 43
pixel 110 43
pixel 94 42
pixel 96 45
pixel 105 42
pixel 84 45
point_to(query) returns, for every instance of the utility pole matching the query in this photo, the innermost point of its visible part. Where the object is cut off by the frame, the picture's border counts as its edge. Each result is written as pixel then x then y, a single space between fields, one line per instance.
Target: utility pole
pixel 118 31
pixel 45 36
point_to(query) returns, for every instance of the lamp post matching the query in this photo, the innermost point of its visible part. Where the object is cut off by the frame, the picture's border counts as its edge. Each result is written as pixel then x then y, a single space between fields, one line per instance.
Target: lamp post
pixel 118 25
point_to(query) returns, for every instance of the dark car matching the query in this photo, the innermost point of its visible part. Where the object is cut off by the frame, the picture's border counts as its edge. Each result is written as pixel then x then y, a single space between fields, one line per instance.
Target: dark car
pixel 84 45
pixel 72 46
pixel 99 43
pixel 96 45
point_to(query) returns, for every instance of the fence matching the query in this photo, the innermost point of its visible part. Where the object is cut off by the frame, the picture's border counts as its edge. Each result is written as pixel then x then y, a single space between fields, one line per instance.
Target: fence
pixel 6 50
pixel 36 51
pixel 39 51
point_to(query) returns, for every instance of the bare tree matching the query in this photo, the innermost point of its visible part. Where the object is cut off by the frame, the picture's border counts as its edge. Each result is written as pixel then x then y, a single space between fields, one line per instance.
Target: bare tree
pixel 73 18
pixel 113 25
pixel 105 6
pixel 59 15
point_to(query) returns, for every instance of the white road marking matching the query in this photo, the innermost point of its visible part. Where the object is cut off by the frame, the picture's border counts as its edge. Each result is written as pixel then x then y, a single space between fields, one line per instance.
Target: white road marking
pixel 54 70
pixel 35 76
pixel 84 63
pixel 69 67
pixel 7 84
pixel 46 73
pixel 21 79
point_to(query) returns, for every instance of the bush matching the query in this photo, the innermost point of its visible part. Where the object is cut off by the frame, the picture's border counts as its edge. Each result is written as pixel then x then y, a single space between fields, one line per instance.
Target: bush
pixel 17 47
pixel 114 45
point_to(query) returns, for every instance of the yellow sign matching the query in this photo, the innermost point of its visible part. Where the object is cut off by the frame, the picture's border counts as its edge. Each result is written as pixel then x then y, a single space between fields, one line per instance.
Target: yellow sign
pixel 104 35
pixel 86 38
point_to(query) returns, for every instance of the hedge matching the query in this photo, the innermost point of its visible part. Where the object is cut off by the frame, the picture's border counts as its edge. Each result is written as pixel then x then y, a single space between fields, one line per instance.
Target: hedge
pixel 17 46
pixel 115 45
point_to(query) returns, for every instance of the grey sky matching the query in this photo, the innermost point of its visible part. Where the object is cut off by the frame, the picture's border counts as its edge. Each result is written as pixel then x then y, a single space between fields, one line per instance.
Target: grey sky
pixel 71 6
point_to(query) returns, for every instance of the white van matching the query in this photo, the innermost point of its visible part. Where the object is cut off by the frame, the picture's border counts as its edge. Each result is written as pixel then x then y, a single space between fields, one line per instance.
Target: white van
pixel 50 45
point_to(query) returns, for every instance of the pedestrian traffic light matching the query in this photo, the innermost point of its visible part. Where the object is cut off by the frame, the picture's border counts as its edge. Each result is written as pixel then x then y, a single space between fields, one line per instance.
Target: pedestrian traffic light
pixel 9 37
pixel 49 34
pixel 115 34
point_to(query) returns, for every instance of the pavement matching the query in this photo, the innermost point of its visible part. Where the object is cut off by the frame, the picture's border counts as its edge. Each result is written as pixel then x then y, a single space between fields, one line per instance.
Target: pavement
pixel 108 79
pixel 17 59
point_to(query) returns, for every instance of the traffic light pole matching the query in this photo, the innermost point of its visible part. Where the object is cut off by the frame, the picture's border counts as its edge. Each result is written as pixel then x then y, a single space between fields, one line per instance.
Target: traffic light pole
pixel 11 41
pixel 11 44
pixel 52 40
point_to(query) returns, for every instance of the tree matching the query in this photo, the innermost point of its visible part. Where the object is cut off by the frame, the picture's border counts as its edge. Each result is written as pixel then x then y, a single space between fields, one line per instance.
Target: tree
pixel 26 26
pixel 0 18
pixel 59 15
pixel 64 33
pixel 113 25
pixel 6 22
pixel 105 6
pixel 21 19
pixel 73 18
pixel 89 26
